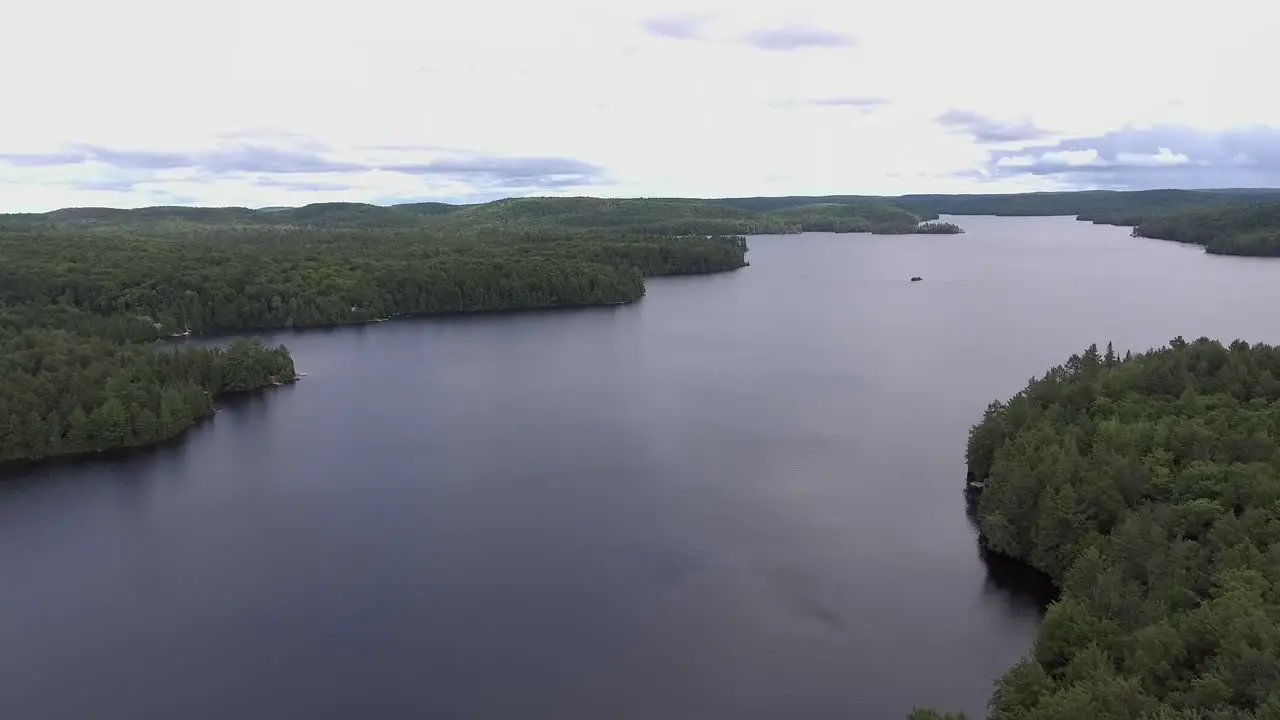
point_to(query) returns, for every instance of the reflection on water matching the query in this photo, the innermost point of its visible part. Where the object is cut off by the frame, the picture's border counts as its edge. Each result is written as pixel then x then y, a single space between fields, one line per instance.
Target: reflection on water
pixel 1026 588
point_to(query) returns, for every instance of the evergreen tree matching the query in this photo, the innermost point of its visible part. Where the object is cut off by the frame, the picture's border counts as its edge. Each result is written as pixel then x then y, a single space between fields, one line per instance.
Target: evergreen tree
pixel 1147 488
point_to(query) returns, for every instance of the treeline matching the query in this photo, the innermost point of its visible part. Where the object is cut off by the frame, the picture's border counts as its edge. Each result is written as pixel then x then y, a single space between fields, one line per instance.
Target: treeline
pixel 1111 207
pixel 644 216
pixel 75 308
pixel 1238 229
pixel 843 217
pixel 66 393
pixel 936 228
pixel 679 216
pixel 1147 488
pixel 167 218
pixel 650 216
pixel 764 204
pixel 129 288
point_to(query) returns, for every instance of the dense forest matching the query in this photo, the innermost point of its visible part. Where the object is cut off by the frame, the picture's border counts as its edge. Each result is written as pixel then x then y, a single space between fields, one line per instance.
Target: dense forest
pixel 67 393
pixel 1109 207
pixel 80 309
pixel 1113 207
pixel 82 278
pixel 645 216
pixel 770 204
pixel 131 288
pixel 1147 488
pixel 82 288
pixel 1243 229
pixel 656 216
pixel 936 227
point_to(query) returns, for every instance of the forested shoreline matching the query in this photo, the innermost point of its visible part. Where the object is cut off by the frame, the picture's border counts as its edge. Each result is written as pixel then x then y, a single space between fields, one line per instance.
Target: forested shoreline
pixel 85 291
pixel 80 310
pixel 640 216
pixel 68 394
pixel 1105 207
pixel 1251 229
pixel 1146 487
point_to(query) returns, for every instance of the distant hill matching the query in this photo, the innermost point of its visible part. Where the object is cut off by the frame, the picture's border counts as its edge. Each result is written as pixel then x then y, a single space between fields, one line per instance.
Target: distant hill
pixel 658 216
pixel 854 215
pixel 161 217
pixel 664 216
pixel 1115 207
pixel 674 216
pixel 770 204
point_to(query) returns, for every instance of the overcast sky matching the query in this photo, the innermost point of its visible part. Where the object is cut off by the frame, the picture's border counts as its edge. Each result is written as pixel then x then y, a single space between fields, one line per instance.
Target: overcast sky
pixel 282 102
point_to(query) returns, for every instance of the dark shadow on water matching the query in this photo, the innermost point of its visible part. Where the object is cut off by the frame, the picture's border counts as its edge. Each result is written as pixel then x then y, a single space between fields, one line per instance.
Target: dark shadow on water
pixel 1026 587
pixel 254 401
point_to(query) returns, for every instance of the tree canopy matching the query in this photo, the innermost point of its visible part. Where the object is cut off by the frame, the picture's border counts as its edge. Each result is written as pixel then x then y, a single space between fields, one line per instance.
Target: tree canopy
pixel 652 216
pixel 1110 207
pixel 1237 229
pixel 66 393
pixel 77 305
pixel 1147 488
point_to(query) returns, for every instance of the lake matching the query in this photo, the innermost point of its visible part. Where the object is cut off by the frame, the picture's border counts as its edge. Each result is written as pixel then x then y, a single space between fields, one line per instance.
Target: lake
pixel 738 498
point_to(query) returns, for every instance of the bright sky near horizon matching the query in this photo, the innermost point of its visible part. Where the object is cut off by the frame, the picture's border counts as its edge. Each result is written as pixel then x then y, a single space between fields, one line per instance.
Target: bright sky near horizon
pixel 283 102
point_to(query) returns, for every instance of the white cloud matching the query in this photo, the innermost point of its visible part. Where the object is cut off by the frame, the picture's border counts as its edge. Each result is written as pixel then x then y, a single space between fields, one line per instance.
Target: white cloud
pixel 1072 158
pixel 1016 161
pixel 704 112
pixel 1163 157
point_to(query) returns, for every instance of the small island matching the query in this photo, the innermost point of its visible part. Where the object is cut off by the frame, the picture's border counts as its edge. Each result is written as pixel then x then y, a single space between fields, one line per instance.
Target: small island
pixel 937 228
pixel 932 227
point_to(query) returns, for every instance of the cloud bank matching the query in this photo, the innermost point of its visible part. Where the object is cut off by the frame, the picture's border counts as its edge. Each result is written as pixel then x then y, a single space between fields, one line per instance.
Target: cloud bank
pixel 289 102
pixel 1161 156
pixel 987 130
pixel 797 37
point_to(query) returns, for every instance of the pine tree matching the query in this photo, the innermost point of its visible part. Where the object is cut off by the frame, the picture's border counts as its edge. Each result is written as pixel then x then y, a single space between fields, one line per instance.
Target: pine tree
pixel 79 434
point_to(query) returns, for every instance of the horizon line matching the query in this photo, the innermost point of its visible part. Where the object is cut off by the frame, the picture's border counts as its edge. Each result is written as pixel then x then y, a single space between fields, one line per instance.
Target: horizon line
pixel 650 197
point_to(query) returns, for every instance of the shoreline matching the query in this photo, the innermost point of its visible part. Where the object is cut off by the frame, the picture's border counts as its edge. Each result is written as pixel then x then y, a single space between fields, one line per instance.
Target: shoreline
pixel 11 469
pixel 400 317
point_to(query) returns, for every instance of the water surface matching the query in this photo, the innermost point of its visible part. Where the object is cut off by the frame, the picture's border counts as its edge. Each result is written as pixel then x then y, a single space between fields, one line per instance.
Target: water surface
pixel 738 498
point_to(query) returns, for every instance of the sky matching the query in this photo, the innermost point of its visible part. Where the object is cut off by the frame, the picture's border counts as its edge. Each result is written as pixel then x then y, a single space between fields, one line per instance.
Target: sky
pixel 281 102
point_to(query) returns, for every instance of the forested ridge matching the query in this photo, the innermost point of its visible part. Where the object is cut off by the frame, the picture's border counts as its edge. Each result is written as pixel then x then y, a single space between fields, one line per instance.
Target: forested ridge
pixel 660 216
pixel 1108 207
pixel 82 288
pixel 1148 488
pixel 82 302
pixel 1237 229
pixel 142 288
pixel 648 216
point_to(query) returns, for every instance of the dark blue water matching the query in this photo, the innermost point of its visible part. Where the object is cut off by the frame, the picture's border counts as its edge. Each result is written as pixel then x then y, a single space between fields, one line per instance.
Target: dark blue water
pixel 737 498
